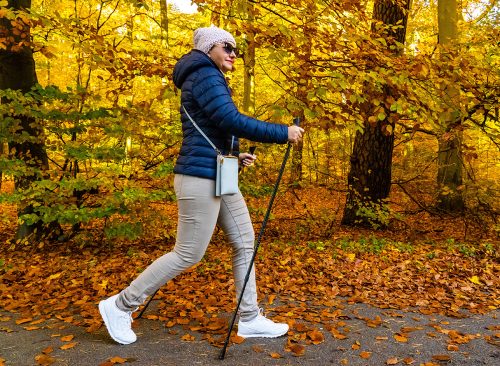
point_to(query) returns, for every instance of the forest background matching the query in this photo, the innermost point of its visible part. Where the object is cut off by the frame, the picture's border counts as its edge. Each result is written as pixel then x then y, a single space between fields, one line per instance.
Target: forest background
pixel 400 160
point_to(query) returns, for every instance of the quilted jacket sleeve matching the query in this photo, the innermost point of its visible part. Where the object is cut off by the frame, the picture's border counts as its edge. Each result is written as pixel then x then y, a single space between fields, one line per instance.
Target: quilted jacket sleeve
pixel 214 98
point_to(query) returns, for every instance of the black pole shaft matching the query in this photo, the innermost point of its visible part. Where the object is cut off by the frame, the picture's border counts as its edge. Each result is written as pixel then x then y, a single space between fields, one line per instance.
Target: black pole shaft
pixel 257 244
pixel 147 304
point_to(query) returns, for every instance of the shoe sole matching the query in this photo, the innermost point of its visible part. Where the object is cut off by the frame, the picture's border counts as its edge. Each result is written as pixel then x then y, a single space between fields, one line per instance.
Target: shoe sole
pixel 262 335
pixel 104 316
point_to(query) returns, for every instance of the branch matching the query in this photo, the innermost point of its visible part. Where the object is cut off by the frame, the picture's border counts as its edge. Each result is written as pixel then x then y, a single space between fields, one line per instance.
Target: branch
pixel 414 200
pixel 408 129
pixel 99 26
pixel 484 13
pixel 272 11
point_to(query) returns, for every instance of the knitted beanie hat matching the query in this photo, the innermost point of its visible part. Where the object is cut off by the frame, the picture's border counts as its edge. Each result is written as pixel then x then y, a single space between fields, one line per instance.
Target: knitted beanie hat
pixel 205 38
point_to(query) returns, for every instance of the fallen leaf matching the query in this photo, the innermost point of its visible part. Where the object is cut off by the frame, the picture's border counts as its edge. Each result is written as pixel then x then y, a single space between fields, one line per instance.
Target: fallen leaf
pixel 316 336
pixel 215 324
pixel 410 329
pixel 452 347
pixel 237 339
pixel 374 323
pixel 400 338
pixel 54 276
pixel 335 333
pixel 351 257
pixel 392 361
pixel 365 354
pixel 117 359
pixel 257 348
pixel 356 345
pixel 48 350
pixel 475 279
pixel 408 361
pixel 297 349
pixel 68 345
pixel 441 358
pixel 67 338
pixel 188 338
pixel 31 328
pixel 197 314
pixel 44 360
pixel 22 321
pixel 185 321
pixel 275 355
pixel 301 327
pixel 344 361
pixel 271 299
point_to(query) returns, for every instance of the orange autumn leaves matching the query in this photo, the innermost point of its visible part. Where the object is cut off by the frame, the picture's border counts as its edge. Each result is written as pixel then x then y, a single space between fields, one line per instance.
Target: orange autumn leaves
pixel 301 280
pixel 45 358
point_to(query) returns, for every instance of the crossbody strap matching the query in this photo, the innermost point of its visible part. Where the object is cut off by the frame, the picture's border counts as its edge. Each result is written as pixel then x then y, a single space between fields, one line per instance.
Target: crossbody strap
pixel 200 131
pixel 205 136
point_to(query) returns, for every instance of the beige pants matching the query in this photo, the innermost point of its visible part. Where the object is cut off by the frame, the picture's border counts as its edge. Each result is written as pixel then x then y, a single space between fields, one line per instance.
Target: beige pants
pixel 198 213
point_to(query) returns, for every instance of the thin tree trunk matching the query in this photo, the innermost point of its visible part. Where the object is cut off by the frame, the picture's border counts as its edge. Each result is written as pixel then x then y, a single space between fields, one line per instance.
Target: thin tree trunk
pixel 449 176
pixel 164 20
pixel 4 152
pixel 297 151
pixel 249 67
pixel 369 178
pixel 17 72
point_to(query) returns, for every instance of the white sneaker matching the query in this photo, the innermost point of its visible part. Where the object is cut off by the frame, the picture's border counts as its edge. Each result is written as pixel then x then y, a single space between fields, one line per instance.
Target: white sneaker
pixel 118 322
pixel 261 327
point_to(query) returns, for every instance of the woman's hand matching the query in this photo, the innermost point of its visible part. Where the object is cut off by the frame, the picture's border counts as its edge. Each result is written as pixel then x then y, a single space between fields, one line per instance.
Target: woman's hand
pixel 295 134
pixel 247 159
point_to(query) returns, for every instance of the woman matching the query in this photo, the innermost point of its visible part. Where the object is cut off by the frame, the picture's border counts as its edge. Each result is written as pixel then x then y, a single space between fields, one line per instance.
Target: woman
pixel 206 97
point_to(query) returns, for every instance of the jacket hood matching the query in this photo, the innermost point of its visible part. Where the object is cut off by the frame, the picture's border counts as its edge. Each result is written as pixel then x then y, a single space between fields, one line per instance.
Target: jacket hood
pixel 188 64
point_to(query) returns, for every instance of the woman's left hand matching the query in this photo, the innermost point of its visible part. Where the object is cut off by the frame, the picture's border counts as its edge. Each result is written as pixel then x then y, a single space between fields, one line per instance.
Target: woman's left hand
pixel 247 159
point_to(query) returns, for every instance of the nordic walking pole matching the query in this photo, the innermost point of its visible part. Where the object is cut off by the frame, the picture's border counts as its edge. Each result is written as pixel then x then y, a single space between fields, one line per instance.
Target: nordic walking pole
pixel 147 304
pixel 296 121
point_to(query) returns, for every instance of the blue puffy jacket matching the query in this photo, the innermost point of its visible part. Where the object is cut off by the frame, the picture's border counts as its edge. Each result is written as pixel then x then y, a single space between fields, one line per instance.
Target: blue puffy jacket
pixel 207 98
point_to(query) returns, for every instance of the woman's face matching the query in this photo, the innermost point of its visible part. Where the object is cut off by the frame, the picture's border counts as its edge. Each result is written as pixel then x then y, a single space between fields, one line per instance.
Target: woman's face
pixel 224 55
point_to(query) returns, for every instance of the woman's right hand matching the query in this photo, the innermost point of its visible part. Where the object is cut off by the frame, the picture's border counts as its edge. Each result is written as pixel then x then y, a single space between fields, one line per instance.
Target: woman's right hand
pixel 295 134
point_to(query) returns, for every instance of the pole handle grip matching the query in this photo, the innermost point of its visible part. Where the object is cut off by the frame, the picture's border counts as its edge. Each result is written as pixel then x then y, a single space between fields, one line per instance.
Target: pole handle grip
pixel 296 121
pixel 252 149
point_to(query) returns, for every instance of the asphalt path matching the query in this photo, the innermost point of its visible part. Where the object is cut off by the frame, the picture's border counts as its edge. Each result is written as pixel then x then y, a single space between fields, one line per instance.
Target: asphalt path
pixel 426 340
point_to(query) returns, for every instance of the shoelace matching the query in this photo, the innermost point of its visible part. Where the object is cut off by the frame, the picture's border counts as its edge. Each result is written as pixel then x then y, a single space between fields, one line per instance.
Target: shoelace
pixel 261 313
pixel 127 317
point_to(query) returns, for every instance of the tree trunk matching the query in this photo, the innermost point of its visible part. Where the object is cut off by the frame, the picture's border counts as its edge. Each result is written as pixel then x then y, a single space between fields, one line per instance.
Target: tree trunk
pixel 17 72
pixel 249 67
pixel 449 176
pixel 4 152
pixel 369 178
pixel 164 20
pixel 297 171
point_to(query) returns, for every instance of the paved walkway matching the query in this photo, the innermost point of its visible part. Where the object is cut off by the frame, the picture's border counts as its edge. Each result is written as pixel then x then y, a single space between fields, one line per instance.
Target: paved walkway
pixel 396 338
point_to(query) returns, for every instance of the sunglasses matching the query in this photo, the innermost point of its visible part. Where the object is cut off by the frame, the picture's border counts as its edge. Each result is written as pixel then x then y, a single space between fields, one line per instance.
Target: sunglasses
pixel 228 48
